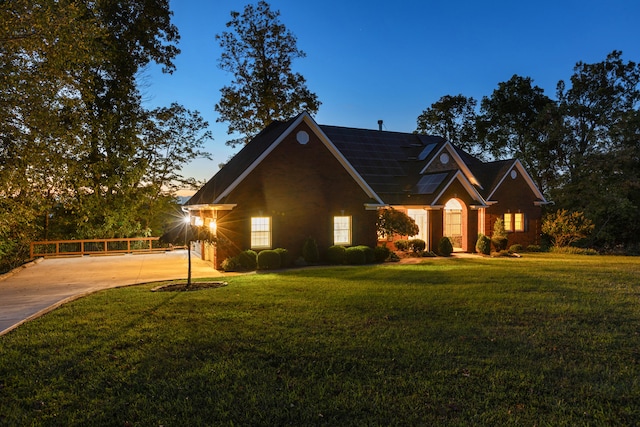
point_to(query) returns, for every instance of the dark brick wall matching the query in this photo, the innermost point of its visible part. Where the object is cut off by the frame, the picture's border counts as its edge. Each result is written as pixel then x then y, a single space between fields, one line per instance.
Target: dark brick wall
pixel 301 187
pixel 515 195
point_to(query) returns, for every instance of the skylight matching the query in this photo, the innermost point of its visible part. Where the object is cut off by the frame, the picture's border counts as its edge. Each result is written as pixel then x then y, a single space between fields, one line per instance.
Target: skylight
pixel 429 183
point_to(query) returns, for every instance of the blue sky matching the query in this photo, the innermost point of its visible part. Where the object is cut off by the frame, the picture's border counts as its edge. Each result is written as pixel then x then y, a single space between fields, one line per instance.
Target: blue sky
pixel 389 60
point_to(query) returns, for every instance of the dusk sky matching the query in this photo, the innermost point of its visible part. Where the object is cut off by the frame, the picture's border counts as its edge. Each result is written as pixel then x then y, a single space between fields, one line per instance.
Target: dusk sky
pixel 389 60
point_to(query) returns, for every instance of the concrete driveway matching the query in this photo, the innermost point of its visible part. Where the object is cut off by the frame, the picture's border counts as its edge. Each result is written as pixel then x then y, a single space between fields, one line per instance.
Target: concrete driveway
pixel 31 291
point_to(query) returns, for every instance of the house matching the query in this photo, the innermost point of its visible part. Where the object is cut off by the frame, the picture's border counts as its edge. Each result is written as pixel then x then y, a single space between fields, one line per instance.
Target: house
pixel 297 179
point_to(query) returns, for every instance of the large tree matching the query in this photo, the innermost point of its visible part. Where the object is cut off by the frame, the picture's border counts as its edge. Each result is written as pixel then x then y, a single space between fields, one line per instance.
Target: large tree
pixel 75 153
pixel 258 51
pixel 600 146
pixel 453 118
pixel 515 121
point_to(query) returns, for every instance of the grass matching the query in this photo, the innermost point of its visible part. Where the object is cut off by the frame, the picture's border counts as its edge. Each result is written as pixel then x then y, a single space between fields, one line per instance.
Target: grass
pixel 541 340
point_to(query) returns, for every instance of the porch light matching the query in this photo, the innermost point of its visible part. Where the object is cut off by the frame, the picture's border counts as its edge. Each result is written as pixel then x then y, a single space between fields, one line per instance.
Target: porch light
pixel 213 226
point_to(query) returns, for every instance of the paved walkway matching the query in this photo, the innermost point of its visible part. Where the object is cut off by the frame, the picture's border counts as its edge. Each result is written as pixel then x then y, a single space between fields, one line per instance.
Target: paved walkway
pixel 31 291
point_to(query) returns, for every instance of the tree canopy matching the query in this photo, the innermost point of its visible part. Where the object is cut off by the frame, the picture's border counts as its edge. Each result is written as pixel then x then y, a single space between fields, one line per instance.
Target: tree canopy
pixel 258 50
pixel 581 148
pixel 454 119
pixel 80 156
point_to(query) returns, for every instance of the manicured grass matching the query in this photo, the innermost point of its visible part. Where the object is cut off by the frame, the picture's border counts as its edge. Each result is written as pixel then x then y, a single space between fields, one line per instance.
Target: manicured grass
pixel 541 340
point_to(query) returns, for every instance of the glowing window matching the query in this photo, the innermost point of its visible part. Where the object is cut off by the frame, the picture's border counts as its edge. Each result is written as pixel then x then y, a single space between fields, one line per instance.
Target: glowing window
pixel 518 222
pixel 508 222
pixel 341 230
pixel 260 232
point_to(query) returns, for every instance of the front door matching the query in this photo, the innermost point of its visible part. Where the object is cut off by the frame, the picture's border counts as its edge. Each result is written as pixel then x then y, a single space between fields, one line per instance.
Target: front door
pixel 420 217
pixel 453 223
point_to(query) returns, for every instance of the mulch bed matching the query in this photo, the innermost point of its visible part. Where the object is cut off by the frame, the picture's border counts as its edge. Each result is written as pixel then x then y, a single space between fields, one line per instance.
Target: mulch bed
pixel 182 287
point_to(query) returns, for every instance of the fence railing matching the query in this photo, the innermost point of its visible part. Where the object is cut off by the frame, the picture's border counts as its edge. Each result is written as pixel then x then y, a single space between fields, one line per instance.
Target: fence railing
pixel 47 248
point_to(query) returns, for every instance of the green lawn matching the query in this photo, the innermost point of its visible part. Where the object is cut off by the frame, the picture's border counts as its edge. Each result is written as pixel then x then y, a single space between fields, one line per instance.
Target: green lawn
pixel 541 340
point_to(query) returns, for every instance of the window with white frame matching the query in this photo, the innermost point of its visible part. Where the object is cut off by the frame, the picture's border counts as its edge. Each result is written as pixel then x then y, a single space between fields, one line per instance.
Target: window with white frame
pixel 261 232
pixel 342 230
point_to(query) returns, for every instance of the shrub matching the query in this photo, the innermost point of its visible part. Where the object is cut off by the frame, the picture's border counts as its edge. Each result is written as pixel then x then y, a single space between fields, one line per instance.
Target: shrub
pixel 483 244
pixel 355 255
pixel 401 245
pixel 336 255
pixel 369 254
pixel 381 253
pixel 516 248
pixel 445 247
pixel 566 227
pixel 268 260
pixel 310 251
pixel 534 248
pixel 248 260
pixel 500 243
pixel 285 261
pixel 417 245
pixel 230 264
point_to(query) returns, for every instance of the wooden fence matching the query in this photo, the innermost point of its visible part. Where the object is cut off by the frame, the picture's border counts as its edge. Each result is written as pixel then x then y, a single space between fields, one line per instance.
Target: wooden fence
pixel 47 248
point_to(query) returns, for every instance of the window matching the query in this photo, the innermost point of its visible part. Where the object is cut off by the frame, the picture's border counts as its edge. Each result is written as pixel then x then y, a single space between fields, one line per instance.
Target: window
pixel 508 222
pixel 518 222
pixel 514 221
pixel 260 232
pixel 341 230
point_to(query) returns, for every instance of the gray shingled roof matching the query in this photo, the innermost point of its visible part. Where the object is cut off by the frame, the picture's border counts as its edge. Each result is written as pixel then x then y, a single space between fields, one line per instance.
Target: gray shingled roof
pixel 390 162
pixel 238 164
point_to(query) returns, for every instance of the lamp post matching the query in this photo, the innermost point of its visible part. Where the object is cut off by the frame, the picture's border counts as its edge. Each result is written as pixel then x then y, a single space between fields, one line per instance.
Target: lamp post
pixel 187 242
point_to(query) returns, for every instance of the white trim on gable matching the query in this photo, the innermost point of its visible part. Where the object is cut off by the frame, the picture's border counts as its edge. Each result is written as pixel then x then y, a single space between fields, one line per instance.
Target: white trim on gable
pixel 209 207
pixel 527 178
pixel 325 140
pixel 461 164
pixel 467 186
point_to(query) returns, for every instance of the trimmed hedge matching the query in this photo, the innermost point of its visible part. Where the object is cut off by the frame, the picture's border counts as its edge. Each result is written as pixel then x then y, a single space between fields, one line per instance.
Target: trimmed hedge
pixel 417 245
pixel 355 255
pixel 244 261
pixel 268 260
pixel 381 253
pixel 401 245
pixel 285 260
pixel 248 260
pixel 336 255
pixel 369 255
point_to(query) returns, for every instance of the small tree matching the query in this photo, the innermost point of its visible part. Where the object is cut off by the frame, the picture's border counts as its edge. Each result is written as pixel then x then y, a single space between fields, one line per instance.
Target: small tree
pixel 391 221
pixel 566 228
pixel 499 236
pixel 310 251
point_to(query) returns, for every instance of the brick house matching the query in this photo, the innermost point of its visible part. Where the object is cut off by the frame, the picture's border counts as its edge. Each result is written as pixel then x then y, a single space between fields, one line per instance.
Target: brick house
pixel 297 179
